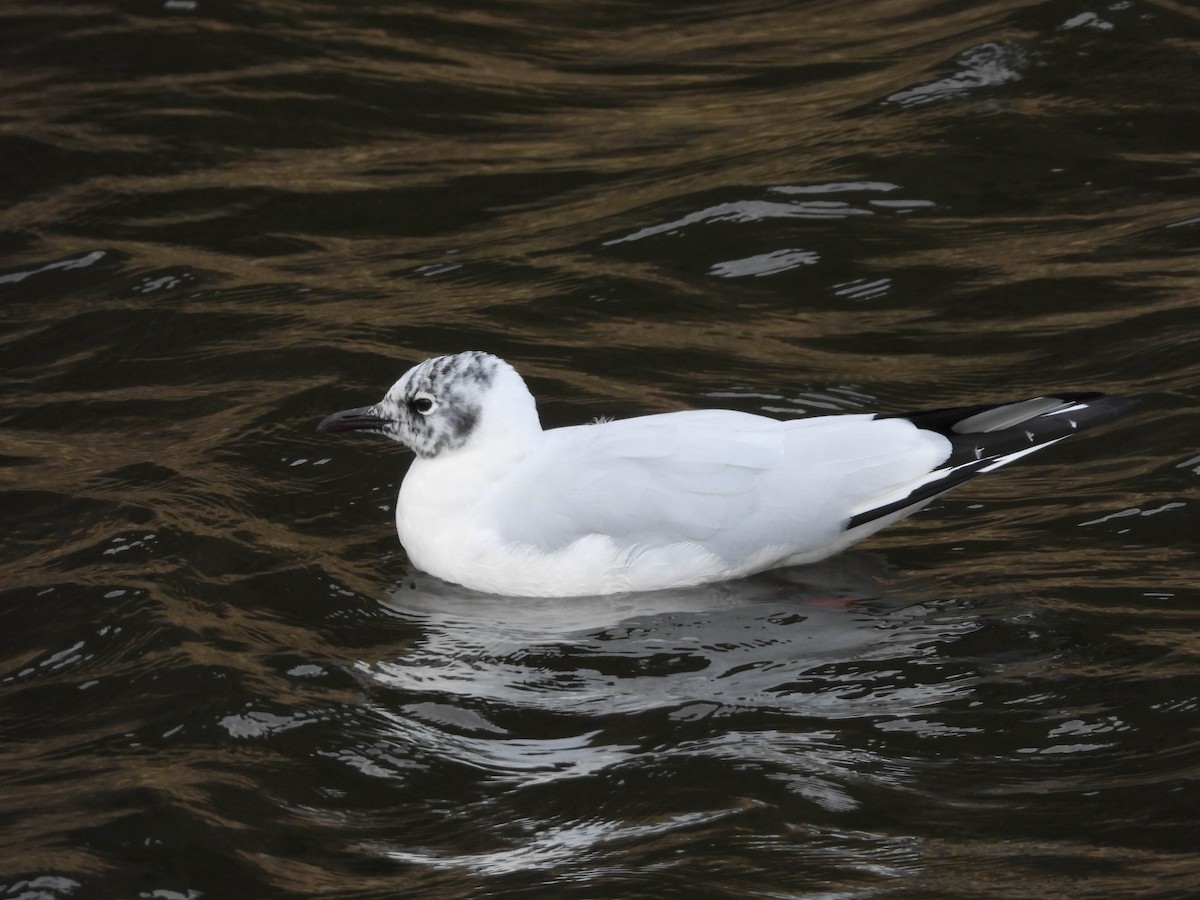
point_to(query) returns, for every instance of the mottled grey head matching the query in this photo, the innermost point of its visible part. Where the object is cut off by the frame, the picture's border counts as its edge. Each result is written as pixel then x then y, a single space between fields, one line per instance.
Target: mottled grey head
pixel 434 407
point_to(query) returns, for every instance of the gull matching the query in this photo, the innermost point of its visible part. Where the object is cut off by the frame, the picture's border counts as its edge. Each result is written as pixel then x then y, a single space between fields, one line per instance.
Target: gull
pixel 497 504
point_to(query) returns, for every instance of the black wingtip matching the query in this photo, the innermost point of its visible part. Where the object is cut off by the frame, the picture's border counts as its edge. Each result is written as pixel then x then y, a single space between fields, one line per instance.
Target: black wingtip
pixel 1009 428
pixel 983 438
pixel 1090 408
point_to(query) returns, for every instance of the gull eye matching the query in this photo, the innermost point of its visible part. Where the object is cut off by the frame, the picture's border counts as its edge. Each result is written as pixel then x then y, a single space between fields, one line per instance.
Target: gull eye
pixel 423 405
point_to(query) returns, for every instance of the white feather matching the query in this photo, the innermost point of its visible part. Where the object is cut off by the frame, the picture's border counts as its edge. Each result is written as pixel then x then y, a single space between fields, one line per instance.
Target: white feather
pixel 495 503
pixel 653 502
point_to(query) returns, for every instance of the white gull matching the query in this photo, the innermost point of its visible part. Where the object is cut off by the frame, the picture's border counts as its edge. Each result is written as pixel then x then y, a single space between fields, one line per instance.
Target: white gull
pixel 497 504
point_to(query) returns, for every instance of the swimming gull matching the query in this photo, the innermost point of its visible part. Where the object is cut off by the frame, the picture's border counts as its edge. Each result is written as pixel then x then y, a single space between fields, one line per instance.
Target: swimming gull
pixel 495 503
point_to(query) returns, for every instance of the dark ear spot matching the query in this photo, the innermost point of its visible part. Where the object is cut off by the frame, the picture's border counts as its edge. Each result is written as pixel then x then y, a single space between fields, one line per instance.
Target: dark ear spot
pixel 459 427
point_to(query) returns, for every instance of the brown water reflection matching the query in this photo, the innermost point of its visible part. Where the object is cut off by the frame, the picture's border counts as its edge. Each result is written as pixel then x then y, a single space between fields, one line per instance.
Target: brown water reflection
pixel 220 677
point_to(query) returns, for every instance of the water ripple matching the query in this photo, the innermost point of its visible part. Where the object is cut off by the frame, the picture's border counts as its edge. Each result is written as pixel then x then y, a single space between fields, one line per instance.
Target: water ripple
pixel 218 675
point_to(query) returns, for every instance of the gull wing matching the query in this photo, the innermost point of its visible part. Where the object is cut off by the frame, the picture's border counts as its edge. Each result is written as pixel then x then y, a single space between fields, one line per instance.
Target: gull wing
pixel 734 483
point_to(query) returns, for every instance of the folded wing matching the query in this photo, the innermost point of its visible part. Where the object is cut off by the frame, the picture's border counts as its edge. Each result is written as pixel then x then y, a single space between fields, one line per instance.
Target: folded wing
pixel 736 484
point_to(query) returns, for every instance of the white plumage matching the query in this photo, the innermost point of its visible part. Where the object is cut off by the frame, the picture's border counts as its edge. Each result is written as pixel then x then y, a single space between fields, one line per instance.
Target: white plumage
pixel 497 504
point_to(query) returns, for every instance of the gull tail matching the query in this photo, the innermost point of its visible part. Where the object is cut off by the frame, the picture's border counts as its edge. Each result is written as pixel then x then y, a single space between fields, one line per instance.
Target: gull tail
pixel 984 438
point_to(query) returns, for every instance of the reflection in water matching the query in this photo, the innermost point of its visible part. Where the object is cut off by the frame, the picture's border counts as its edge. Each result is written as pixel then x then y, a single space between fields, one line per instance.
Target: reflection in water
pixel 757 674
pixel 987 65
pixel 765 643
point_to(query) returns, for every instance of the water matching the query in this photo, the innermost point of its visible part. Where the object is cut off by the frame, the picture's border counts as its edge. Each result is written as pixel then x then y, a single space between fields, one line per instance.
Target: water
pixel 219 677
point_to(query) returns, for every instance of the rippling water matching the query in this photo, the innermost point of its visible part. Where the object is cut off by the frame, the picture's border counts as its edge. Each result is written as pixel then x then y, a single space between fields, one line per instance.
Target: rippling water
pixel 219 676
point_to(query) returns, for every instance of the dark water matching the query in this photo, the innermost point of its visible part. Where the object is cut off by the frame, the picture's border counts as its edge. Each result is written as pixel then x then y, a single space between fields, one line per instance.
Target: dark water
pixel 219 676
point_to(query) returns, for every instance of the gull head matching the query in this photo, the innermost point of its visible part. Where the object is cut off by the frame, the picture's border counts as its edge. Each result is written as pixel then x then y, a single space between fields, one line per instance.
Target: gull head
pixel 446 403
